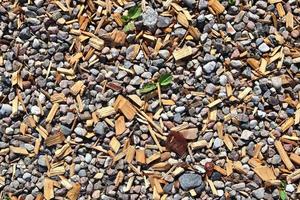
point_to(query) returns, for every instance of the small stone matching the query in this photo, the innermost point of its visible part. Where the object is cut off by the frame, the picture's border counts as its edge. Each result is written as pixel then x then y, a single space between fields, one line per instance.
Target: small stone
pixel 246 135
pixel 209 67
pixel 5 110
pixel 88 158
pixel 188 181
pixel 96 194
pixel 180 109
pixel 41 161
pixel 35 110
pixel 164 53
pixel 218 143
pixel 150 17
pixel 36 43
pixel 276 159
pixel 138 69
pixel 229 29
pixel 264 48
pixel 259 193
pixel 26 176
pixel 238 186
pixel 100 128
pixel 289 188
pixel 198 72
pixel 58 56
pixel 189 3
pixel 25 34
pixel 80 131
pixel 276 82
pixel 163 22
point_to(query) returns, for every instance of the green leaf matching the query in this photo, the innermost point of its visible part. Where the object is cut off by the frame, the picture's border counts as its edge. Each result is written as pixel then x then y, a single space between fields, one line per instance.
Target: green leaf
pixel 148 87
pixel 125 18
pixel 129 27
pixel 282 195
pixel 165 79
pixel 231 2
pixel 134 12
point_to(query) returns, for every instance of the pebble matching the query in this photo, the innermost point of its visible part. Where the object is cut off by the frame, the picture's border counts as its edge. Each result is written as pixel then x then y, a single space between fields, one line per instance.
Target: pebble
pixel 276 82
pixel 100 128
pixel 189 181
pixel 246 135
pixel 35 110
pixel 41 161
pixel 264 48
pixel 218 143
pixel 25 34
pixel 259 193
pixel 80 131
pixel 209 67
pixel 150 17
pixel 5 110
pixel 289 188
pixel 163 22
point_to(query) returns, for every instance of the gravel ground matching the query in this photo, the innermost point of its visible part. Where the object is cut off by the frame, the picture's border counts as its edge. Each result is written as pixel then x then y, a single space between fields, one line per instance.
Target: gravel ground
pixel 75 124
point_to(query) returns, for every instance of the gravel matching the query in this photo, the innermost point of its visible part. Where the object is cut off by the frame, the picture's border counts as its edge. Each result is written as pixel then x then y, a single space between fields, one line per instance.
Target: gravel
pixel 188 181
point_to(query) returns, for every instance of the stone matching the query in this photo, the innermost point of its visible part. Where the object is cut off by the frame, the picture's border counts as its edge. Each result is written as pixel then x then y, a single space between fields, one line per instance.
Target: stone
pixel 150 17
pixel 35 110
pixel 80 131
pixel 163 22
pixel 246 135
pixel 217 143
pixel 209 67
pixel 229 29
pixel 58 56
pixel 198 72
pixel 41 161
pixel 259 193
pixel 289 188
pixel 238 186
pixel 276 82
pixel 5 110
pixel 189 181
pixel 100 128
pixel 25 34
pixel 264 48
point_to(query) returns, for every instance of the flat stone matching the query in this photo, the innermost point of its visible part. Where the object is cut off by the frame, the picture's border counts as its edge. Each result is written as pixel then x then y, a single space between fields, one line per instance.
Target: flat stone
pixel 5 110
pixel 163 22
pixel 35 110
pixel 150 17
pixel 259 193
pixel 246 135
pixel 264 48
pixel 189 181
pixel 100 128
pixel 80 131
pixel 209 67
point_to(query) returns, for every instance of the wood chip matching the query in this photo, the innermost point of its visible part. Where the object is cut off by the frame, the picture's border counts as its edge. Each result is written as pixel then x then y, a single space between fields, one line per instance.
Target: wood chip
pixel 18 150
pixel 244 93
pixel 153 157
pixel 286 160
pixel 280 9
pixel 216 6
pixel 295 158
pixel 214 103
pixel 96 43
pixel 105 112
pixel 125 107
pixel 289 19
pixel 130 153
pixel 57 138
pixel 181 18
pixel 115 144
pixel 52 113
pixel 199 144
pixel 73 194
pixel 75 89
pixel 119 178
pixel 182 53
pixel 140 156
pixel 48 189
pixel 177 143
pixel 287 124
